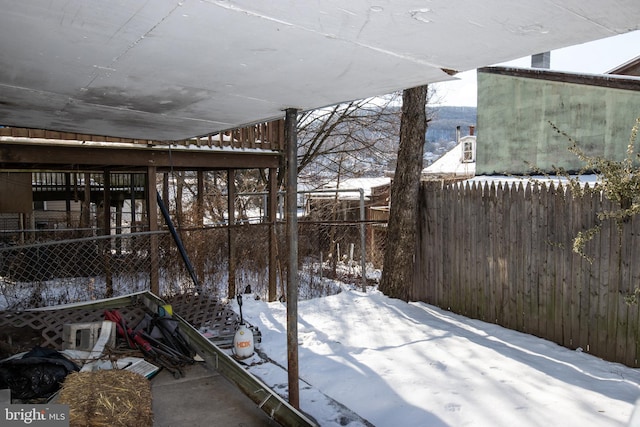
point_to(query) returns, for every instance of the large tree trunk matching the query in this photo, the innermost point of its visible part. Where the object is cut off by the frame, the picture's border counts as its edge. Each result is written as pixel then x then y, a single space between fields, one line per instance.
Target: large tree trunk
pixel 399 257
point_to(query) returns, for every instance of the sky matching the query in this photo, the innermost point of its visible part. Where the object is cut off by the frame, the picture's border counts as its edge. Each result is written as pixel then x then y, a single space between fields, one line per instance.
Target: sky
pixel 595 57
pixel 394 363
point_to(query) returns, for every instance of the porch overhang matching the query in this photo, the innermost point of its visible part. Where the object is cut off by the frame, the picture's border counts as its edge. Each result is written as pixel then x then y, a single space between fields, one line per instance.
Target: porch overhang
pixel 170 70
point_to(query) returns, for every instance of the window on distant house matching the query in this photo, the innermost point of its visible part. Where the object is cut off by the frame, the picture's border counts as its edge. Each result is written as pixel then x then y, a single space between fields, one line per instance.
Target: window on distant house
pixel 467 152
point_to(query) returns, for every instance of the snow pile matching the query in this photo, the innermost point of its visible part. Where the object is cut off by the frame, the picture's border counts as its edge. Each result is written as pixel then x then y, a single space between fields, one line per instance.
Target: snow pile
pixel 399 364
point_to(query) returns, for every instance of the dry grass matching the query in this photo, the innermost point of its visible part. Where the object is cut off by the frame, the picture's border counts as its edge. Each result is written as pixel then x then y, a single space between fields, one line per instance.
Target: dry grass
pixel 111 398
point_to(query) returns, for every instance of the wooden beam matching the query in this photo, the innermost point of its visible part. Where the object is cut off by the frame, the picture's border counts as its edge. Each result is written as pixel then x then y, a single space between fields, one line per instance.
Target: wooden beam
pixel 76 157
pixel 272 206
pixel 44 134
pixel 132 189
pixel 291 139
pixel 106 230
pixel 152 213
pixel 609 81
pixel 200 257
pixel 67 198
pixel 231 215
pixel 86 205
pixel 106 203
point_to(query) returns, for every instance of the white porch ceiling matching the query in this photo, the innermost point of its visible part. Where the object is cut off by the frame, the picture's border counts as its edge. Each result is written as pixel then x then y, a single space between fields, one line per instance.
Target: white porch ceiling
pixel 169 70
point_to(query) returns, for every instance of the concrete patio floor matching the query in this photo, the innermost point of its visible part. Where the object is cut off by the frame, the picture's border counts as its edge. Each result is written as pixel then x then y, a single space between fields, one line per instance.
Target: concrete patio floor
pixel 205 398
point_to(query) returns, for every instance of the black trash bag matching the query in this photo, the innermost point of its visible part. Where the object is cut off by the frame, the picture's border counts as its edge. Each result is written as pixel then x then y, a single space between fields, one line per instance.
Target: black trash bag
pixel 37 374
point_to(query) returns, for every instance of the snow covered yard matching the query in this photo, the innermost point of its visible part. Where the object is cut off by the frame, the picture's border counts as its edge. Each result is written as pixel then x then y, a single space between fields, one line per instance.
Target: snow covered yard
pixel 412 364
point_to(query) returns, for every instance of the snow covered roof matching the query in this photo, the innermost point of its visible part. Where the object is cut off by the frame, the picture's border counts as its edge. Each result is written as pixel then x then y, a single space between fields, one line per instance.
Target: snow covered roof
pixel 355 184
pixel 200 144
pixel 629 68
pixel 452 163
pixel 170 70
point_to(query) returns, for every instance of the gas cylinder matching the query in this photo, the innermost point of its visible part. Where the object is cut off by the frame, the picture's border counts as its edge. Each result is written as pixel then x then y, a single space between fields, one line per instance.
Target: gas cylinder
pixel 243 342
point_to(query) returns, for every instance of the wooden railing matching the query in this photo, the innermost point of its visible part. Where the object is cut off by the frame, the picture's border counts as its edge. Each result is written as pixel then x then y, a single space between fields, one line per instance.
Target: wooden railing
pixel 265 136
pixel 61 181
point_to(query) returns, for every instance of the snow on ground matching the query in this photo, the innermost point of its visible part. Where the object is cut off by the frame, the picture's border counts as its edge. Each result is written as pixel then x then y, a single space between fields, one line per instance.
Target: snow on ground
pixel 412 364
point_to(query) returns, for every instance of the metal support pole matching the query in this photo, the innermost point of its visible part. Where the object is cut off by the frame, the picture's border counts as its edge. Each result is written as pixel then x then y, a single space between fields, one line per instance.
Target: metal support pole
pixel 272 205
pixel 291 140
pixel 178 241
pixel 363 243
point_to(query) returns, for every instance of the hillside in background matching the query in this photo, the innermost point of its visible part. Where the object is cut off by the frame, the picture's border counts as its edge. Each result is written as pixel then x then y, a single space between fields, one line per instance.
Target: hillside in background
pixel 357 162
pixel 444 120
pixel 441 133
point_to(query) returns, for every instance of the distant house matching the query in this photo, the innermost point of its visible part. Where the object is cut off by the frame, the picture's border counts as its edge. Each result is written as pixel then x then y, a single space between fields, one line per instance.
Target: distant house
pixel 343 200
pixel 517 109
pixel 457 163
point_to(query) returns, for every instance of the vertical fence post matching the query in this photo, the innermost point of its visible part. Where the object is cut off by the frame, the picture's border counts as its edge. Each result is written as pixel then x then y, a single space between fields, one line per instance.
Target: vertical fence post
pixel 106 230
pixel 86 205
pixel 200 257
pixel 363 242
pixel 67 197
pixel 132 201
pixel 231 208
pixel 291 139
pixel 272 206
pixel 152 214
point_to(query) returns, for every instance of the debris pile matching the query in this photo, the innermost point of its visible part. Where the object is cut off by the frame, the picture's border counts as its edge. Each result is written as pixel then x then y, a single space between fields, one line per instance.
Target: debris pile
pixel 153 342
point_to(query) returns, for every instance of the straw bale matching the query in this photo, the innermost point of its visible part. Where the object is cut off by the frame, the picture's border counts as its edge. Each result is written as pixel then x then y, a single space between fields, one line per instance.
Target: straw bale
pixel 108 398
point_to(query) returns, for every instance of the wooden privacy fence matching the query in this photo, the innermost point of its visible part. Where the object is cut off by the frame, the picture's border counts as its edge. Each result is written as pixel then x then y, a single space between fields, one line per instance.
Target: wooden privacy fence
pixel 503 254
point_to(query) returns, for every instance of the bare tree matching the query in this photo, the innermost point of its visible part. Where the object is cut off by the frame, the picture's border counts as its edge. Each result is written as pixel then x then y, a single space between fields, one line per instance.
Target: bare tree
pixel 351 139
pixel 397 274
pixel 354 138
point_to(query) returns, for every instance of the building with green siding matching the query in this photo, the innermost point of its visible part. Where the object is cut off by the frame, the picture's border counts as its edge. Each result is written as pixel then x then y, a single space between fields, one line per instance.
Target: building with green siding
pixel 517 106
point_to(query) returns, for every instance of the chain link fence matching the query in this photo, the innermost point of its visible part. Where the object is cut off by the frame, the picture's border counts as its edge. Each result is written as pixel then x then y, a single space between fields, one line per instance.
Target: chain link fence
pixel 71 270
pixel 48 267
